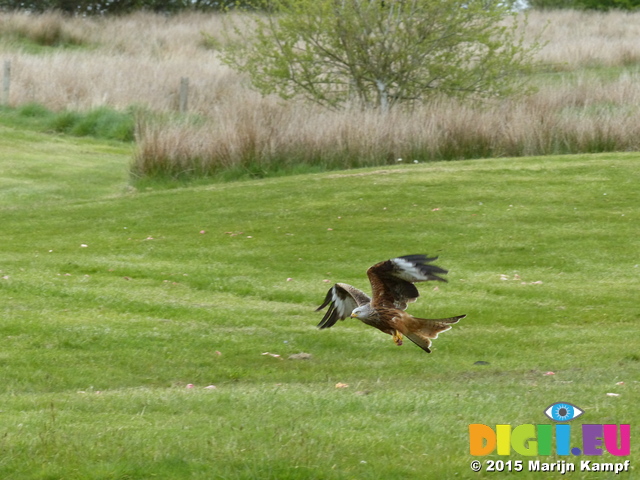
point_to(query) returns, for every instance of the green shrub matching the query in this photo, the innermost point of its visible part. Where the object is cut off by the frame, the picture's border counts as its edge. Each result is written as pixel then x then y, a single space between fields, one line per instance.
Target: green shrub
pixel 64 121
pixel 33 110
pixel 103 122
pixel 374 55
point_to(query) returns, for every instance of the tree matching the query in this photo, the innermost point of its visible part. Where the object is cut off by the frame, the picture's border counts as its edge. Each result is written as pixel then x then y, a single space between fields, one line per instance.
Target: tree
pixel 377 53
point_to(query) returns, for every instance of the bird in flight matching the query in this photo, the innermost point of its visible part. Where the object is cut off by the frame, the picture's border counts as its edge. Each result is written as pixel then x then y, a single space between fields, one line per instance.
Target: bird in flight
pixel 392 288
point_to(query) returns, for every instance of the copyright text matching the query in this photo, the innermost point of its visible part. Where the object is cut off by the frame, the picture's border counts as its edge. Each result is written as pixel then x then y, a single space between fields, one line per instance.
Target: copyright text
pixel 561 467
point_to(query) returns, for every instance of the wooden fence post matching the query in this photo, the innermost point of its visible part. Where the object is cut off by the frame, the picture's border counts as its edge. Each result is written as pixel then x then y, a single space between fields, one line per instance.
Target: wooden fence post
pixel 6 82
pixel 184 94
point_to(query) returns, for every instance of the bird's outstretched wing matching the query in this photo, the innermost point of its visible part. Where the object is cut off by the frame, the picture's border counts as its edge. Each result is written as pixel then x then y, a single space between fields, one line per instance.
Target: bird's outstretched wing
pixel 392 281
pixel 342 299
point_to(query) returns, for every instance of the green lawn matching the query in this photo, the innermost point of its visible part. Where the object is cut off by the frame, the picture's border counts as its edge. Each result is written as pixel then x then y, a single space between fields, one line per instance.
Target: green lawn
pixel 113 300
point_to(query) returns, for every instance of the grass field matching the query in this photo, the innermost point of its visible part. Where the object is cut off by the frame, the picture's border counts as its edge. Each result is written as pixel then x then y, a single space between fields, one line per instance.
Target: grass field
pixel 115 299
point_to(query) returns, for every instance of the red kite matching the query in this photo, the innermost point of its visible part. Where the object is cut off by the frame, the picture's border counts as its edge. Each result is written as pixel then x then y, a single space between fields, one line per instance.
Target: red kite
pixel 392 287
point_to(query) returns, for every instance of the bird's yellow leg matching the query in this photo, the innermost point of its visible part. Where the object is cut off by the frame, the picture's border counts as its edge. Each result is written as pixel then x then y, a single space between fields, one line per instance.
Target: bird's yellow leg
pixel 397 338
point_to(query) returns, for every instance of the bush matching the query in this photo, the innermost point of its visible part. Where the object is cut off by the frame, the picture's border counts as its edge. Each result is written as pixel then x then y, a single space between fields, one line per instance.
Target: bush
pixel 33 110
pixel 102 122
pixel 376 54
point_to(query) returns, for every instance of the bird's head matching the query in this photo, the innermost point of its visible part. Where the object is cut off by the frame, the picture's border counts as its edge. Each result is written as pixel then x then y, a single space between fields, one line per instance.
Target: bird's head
pixel 361 312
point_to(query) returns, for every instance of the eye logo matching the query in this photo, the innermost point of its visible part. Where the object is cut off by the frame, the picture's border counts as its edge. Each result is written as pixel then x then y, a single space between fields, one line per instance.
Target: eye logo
pixel 563 412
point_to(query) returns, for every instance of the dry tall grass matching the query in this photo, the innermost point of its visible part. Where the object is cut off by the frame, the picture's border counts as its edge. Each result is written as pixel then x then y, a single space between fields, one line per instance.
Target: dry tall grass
pixel 578 39
pixel 272 137
pixel 589 97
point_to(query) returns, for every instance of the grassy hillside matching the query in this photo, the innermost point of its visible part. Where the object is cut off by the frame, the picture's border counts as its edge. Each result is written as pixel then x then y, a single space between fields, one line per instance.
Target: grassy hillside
pixel 114 300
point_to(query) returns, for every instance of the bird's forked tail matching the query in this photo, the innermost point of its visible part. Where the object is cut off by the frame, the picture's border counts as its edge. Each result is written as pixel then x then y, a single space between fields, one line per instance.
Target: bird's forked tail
pixel 425 329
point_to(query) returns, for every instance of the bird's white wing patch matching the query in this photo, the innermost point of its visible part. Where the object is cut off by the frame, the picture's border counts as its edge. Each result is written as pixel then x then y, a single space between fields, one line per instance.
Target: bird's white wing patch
pixel 341 299
pixel 344 304
pixel 408 271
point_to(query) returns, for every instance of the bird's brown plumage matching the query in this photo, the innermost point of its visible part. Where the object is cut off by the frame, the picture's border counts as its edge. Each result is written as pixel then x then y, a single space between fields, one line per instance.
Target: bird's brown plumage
pixel 392 286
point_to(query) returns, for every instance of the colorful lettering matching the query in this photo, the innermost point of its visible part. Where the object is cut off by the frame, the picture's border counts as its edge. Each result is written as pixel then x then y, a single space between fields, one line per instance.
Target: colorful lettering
pixel 478 435
pixel 544 439
pixel 523 440
pixel 611 439
pixel 531 440
pixel 563 438
pixel 592 439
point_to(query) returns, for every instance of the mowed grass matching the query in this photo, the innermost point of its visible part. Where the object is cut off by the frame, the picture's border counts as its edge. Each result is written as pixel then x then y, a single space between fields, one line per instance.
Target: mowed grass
pixel 115 299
